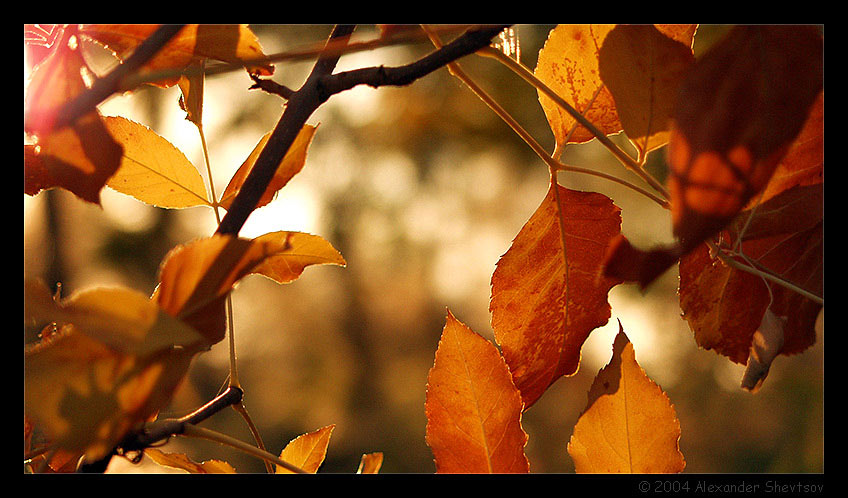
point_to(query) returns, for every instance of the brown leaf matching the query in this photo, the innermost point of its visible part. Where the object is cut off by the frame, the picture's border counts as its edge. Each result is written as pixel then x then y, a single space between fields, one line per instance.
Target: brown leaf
pixel 739 109
pixel 232 43
pixel 289 166
pixel 629 424
pixel 307 451
pixel 643 69
pixel 548 293
pixel 473 409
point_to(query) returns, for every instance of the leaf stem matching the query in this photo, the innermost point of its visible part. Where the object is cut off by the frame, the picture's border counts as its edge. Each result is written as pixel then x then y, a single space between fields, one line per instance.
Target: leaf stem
pixel 242 410
pixel 531 78
pixel 199 432
pixel 552 163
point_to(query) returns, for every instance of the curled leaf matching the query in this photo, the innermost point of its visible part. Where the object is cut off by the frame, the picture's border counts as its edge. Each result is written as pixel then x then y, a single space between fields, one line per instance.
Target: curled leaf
pixel 765 346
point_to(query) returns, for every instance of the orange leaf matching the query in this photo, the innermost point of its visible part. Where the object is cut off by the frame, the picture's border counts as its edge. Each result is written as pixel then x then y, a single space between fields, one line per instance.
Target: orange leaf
pixel 643 68
pixel 307 451
pixel 370 463
pixel 297 250
pixel 548 293
pixel 232 43
pixel 568 65
pixel 290 165
pixel 629 425
pixel 473 409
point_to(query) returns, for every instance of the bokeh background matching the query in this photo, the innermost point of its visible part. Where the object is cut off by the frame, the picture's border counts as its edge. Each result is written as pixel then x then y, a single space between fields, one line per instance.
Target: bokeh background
pixel 422 189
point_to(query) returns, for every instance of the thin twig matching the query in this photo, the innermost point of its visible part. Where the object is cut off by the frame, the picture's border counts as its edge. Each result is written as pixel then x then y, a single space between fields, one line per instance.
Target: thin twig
pixel 199 432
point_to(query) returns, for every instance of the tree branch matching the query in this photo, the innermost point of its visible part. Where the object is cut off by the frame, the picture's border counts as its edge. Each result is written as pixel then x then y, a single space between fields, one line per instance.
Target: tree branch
pixel 320 86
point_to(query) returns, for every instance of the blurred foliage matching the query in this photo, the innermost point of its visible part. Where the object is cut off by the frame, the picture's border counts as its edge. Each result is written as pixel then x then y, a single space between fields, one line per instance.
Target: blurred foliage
pixel 421 188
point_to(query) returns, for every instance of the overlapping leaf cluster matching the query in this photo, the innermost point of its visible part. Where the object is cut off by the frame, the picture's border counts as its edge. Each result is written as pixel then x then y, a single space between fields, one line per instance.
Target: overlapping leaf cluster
pixel 549 290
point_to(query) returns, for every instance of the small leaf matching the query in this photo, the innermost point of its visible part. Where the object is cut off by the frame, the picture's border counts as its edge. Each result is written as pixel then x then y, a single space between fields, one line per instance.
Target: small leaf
pixel 370 463
pixel 153 170
pixel 473 409
pixel 290 165
pixel 297 251
pixel 548 293
pixel 191 98
pixel 183 462
pixel 629 425
pixel 307 451
pixel 765 346
pixel 568 65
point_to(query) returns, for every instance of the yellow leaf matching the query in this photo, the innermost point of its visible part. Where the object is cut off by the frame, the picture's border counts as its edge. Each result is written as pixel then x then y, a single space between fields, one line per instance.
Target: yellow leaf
pixel 291 164
pixel 183 462
pixel 152 170
pixel 629 425
pixel 568 65
pixel 307 451
pixel 473 409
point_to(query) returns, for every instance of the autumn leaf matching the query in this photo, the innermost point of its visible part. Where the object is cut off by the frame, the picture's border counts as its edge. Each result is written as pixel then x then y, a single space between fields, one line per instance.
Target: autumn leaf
pixel 370 463
pixel 725 306
pixel 643 67
pixel 88 396
pixel 473 409
pixel 195 278
pixel 629 425
pixel 725 144
pixel 548 293
pixel 290 165
pixel 152 170
pixel 307 451
pixel 297 250
pixel 232 43
pixel 183 462
pixel 568 65
pixel 191 96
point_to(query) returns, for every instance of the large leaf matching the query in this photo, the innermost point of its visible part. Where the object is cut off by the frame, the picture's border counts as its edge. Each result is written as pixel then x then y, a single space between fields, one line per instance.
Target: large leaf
pixel 629 424
pixel 233 43
pixel 153 170
pixel 548 293
pixel 473 409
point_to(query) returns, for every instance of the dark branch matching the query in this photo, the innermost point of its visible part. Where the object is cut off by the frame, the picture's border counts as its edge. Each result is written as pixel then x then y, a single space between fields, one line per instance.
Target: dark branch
pixel 319 87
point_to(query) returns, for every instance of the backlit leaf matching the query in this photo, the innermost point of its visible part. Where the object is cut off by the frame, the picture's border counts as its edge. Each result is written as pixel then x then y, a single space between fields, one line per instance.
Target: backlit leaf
pixel 568 65
pixel 370 463
pixel 153 170
pixel 87 396
pixel 183 462
pixel 233 43
pixel 297 251
pixel 307 451
pixel 548 293
pixel 290 165
pixel 473 409
pixel 643 69
pixel 629 424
